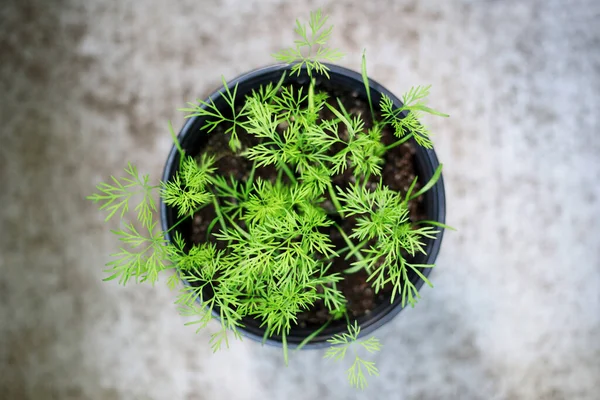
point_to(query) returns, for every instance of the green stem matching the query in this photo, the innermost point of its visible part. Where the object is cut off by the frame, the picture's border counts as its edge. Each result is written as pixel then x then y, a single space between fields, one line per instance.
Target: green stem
pixel 312 335
pixel 210 228
pixel 347 318
pixel 366 179
pixel 343 250
pixel 278 86
pixel 435 223
pixel 266 335
pixel 177 144
pixel 399 142
pixel 365 78
pixel 311 96
pixel 219 214
pixel 334 199
pixel 250 180
pixel 185 219
pixel 285 348
pixel 354 269
pixel 224 186
pixel 436 175
pixel 355 250
pixel 238 228
pixel 288 172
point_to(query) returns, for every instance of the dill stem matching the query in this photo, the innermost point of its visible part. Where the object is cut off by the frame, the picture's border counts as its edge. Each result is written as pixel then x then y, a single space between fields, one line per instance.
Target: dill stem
pixel 366 179
pixel 311 96
pixel 334 199
pixel 223 186
pixel 288 172
pixel 399 142
pixel 356 251
pixel 185 218
pixel 219 214
pixel 250 180
pixel 313 335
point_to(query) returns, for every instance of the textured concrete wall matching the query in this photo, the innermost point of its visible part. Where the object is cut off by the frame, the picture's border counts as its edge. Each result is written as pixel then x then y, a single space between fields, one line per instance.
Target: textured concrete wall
pixel 86 86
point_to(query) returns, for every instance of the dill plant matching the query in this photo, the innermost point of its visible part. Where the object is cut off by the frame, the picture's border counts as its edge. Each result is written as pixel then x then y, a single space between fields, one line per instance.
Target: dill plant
pixel 276 258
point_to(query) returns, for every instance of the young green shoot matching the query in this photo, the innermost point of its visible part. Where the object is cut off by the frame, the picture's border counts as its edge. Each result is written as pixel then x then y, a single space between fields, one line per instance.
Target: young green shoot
pixel 345 343
pixel 405 119
pixel 365 78
pixel 311 50
pixel 285 201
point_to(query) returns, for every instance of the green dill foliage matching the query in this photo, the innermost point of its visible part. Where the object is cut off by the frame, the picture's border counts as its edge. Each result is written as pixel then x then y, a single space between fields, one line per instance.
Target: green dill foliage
pixel 342 343
pixel 383 214
pixel 406 119
pixel 311 49
pixel 269 252
pixel 187 190
pixel 142 255
pixel 217 118
pixel 117 195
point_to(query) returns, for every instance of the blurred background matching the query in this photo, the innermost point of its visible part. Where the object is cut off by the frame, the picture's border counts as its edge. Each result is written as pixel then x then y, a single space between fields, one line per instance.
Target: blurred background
pixel 87 85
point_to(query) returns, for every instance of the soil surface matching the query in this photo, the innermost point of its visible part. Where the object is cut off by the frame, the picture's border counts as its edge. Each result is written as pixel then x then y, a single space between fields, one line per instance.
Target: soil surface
pixel 398 173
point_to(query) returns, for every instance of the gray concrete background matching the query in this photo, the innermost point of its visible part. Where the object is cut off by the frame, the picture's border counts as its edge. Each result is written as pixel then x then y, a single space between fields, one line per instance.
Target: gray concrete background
pixel 86 86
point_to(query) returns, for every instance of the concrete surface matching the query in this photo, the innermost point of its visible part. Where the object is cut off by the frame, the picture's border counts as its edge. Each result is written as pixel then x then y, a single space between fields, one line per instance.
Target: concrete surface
pixel 86 86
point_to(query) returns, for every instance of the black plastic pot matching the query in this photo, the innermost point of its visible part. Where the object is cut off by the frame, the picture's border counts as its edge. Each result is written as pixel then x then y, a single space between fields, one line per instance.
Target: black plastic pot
pixel 192 141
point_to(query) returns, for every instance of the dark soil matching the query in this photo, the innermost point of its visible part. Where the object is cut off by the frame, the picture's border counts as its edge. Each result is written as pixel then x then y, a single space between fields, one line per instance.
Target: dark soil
pixel 398 173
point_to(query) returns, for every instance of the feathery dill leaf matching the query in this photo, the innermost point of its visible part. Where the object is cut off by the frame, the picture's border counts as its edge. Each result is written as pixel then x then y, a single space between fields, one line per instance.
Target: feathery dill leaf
pixel 186 191
pixel 341 343
pixel 117 196
pixel 383 214
pixel 311 49
pixel 270 252
pixel 405 120
pixel 215 117
pixel 143 257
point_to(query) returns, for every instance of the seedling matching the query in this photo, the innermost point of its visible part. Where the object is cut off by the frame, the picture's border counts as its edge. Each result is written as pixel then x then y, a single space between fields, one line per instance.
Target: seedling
pixel 268 252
